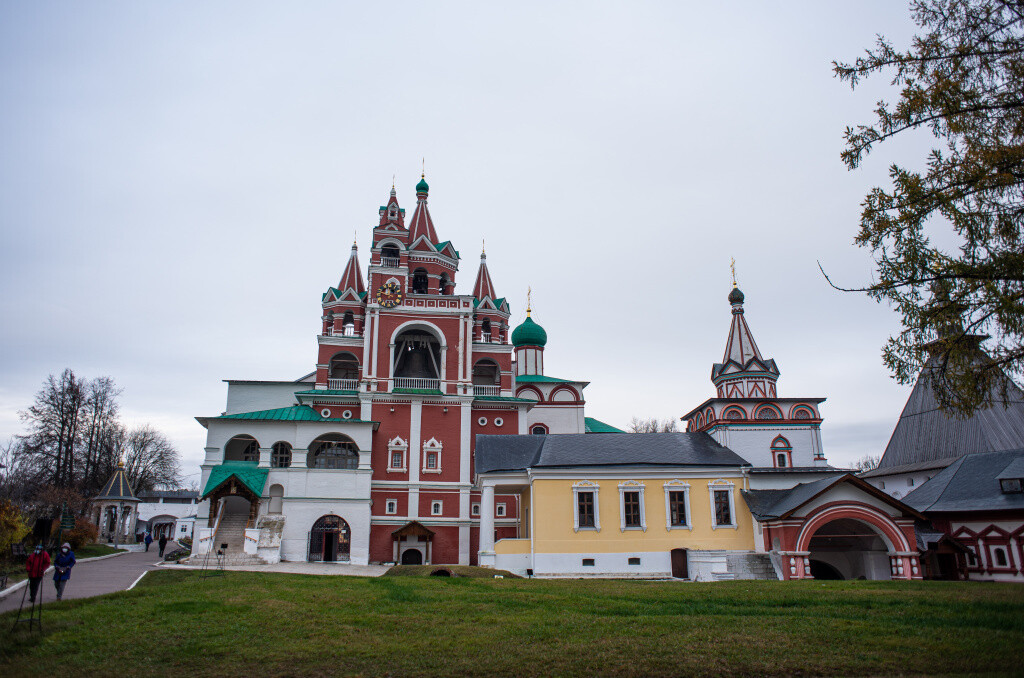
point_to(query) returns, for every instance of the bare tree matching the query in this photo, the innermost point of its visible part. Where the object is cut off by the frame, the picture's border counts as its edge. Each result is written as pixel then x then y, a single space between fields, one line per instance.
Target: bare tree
pixel 867 462
pixel 53 421
pixel 652 425
pixel 99 425
pixel 150 461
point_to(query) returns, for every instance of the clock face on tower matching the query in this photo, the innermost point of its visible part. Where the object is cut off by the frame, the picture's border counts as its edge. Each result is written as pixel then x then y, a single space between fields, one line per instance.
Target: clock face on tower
pixel 389 295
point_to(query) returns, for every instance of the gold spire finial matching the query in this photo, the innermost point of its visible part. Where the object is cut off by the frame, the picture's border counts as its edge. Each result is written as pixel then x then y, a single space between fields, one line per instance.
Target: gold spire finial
pixel 392 182
pixel 732 266
pixel 355 235
pixel 483 246
pixel 529 302
pixel 423 174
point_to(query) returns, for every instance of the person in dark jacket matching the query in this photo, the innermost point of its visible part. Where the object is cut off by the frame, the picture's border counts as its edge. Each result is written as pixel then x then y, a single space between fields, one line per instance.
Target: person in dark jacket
pixel 62 568
pixel 163 544
pixel 148 540
pixel 35 567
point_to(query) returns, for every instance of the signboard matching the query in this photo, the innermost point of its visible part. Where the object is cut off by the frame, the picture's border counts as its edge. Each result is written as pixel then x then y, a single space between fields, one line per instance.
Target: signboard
pixel 67 519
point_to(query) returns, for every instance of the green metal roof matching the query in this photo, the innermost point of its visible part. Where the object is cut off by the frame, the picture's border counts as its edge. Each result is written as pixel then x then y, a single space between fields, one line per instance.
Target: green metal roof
pixel 422 186
pixel 541 379
pixel 247 472
pixel 529 333
pixel 505 399
pixel 294 413
pixel 596 426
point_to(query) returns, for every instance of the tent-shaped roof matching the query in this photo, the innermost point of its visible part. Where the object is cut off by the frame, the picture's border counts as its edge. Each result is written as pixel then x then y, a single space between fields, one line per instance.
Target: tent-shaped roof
pixel 247 472
pixel 117 488
pixel 926 437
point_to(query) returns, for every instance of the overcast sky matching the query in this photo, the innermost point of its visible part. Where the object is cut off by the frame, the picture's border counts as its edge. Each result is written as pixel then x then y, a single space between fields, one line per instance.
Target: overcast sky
pixel 180 182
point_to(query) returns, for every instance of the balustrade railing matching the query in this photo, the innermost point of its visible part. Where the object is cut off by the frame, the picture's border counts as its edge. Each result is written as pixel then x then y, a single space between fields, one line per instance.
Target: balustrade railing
pixel 418 383
pixel 390 262
pixel 343 384
pixel 486 390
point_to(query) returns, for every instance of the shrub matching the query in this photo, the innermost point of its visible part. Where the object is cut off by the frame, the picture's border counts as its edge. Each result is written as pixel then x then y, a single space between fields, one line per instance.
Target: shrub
pixel 185 542
pixel 14 526
pixel 83 533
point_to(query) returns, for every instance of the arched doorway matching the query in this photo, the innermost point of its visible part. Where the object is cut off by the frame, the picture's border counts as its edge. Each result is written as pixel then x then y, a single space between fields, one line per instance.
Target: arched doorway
pixel 329 540
pixel 412 557
pixel 847 548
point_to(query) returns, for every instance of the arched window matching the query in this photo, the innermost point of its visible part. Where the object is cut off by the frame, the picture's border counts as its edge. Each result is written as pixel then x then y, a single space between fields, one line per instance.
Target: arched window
pixel 486 373
pixel 734 413
pixel 389 255
pixel 485 331
pixel 539 430
pixel 420 281
pixel 443 284
pixel 348 324
pixel 343 373
pixel 242 448
pixel 333 451
pixel 276 499
pixel 802 413
pixel 781 450
pixel 768 412
pixel 281 455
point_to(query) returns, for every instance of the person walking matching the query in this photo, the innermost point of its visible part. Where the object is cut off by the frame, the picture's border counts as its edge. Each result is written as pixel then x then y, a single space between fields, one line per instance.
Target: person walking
pixel 62 568
pixel 163 544
pixel 35 567
pixel 148 540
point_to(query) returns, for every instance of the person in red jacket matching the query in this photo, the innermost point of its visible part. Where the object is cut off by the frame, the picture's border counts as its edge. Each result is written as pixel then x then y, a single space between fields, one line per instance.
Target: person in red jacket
pixel 36 566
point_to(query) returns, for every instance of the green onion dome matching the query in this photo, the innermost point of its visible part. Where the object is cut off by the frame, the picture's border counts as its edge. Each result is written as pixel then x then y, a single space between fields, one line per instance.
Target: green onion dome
pixel 735 297
pixel 422 187
pixel 529 334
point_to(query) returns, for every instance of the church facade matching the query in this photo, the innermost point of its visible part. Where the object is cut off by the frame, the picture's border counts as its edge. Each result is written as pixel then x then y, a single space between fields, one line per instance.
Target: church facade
pixel 369 458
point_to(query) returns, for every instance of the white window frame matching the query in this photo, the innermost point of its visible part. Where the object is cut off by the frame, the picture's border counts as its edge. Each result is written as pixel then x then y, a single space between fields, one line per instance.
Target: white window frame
pixel 631 486
pixel 398 445
pixel 723 485
pixel 677 485
pixel 474 509
pixel 437 507
pixel 432 446
pixel 585 486
pixel 391 507
pixel 499 510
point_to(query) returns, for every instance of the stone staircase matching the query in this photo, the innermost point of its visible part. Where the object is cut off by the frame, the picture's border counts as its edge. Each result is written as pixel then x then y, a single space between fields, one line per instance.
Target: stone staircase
pixel 750 566
pixel 231 531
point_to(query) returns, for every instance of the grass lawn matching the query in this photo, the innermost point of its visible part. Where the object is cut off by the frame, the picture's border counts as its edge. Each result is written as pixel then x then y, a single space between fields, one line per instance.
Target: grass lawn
pixel 178 623
pixel 94 550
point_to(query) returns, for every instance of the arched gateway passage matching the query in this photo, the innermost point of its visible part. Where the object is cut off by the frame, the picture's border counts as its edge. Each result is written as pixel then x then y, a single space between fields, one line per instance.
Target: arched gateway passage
pixel 329 540
pixel 848 549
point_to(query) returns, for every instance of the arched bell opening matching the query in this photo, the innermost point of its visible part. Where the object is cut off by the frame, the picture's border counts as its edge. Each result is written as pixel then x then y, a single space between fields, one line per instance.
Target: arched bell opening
pixel 444 283
pixel 389 255
pixel 847 548
pixel 242 448
pixel 417 356
pixel 486 373
pixel 420 281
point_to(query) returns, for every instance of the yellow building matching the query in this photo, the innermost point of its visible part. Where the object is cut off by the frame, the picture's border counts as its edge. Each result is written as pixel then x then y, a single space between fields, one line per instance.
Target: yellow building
pixel 619 505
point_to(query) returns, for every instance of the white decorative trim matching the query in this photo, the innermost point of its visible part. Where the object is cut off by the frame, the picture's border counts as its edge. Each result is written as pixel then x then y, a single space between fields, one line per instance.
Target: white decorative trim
pixel 437 507
pixel 498 421
pixel 474 509
pixel 347 414
pixel 631 486
pixel 676 485
pixel 432 446
pixel 482 421
pixel 398 445
pixel 391 507
pixel 499 510
pixel 721 484
pixel 585 486
pixel 326 413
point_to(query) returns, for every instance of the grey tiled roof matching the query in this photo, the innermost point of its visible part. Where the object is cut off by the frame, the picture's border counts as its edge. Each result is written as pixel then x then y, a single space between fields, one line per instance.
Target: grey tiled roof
pixel 971 483
pixel 117 487
pixel 925 434
pixel 518 452
pixel 769 504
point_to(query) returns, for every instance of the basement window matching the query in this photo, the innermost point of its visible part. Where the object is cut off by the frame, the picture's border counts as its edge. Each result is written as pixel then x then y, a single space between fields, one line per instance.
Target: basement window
pixel 588 562
pixel 634 561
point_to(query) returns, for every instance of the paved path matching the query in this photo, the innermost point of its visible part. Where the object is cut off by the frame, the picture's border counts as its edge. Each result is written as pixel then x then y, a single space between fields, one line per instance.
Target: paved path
pixel 94 578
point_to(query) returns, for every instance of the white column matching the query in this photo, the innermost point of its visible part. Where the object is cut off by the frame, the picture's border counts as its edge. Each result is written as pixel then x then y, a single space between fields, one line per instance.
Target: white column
pixel 265 457
pixel 487 525
pixel 370 342
pixel 415 433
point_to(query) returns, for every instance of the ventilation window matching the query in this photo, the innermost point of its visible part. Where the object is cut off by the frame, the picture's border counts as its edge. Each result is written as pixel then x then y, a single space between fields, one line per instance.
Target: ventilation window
pixel 634 561
pixel 498 421
pixel 482 421
pixel 588 562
